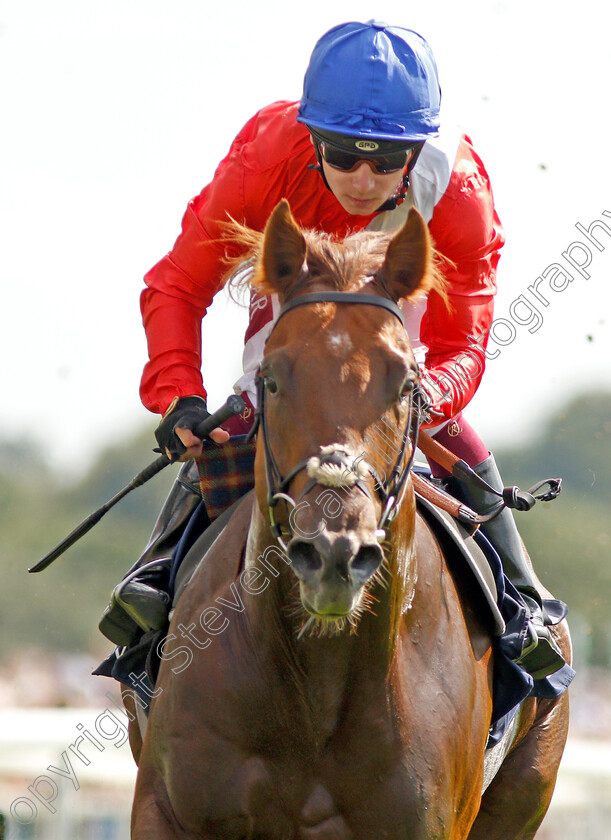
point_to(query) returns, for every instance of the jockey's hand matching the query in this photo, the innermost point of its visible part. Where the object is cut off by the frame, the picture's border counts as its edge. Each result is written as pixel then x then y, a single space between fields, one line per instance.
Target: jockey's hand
pixel 175 434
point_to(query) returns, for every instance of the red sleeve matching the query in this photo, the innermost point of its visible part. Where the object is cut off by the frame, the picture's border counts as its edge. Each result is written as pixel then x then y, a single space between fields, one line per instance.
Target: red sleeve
pixel 180 288
pixel 246 186
pixel 467 233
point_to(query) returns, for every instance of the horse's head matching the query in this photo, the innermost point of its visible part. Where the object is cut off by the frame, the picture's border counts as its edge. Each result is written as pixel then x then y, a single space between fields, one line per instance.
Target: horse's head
pixel 335 386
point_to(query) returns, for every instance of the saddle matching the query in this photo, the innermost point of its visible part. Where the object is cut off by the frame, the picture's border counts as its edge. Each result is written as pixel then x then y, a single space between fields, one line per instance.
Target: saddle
pixel 473 548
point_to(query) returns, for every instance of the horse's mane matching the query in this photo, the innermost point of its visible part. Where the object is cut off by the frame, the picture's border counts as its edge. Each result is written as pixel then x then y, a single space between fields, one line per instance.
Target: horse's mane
pixel 344 263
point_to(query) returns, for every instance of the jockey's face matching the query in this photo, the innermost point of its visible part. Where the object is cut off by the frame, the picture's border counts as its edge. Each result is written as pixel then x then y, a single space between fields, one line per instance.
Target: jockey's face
pixel 362 190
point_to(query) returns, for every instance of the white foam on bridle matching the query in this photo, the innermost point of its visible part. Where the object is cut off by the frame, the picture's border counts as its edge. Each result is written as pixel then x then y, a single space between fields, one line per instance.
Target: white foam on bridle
pixel 345 474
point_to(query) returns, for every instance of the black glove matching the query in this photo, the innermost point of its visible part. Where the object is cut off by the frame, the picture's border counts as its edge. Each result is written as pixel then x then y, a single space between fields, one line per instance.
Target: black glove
pixel 186 412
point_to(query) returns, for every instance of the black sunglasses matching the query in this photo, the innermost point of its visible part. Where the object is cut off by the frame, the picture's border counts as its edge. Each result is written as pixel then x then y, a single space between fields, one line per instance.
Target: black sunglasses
pixel 348 161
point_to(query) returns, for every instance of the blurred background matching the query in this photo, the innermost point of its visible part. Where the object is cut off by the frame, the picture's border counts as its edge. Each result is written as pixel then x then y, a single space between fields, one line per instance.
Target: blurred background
pixel 114 115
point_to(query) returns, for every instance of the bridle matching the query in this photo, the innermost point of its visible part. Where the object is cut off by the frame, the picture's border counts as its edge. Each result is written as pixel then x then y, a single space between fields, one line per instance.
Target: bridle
pixel 391 491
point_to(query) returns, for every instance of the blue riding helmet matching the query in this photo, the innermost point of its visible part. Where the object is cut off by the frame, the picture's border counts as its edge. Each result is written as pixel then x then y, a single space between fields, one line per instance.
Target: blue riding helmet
pixel 372 80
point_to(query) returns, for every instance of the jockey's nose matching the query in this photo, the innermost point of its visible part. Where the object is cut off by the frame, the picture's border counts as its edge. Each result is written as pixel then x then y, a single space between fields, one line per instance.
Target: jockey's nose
pixel 363 178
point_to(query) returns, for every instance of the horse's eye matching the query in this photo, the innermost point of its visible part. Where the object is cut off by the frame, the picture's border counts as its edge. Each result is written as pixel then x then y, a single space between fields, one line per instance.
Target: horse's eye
pixel 409 384
pixel 271 386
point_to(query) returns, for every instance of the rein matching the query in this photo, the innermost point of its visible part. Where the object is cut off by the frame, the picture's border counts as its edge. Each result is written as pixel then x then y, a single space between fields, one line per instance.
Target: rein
pixel 392 490
pixel 511 497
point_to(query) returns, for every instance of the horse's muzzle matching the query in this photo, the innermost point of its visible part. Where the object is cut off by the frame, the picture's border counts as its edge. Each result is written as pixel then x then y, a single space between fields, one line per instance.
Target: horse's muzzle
pixel 332 569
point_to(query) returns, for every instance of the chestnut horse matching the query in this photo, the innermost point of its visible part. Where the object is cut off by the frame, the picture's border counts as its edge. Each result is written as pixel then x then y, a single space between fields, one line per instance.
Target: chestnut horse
pixel 326 675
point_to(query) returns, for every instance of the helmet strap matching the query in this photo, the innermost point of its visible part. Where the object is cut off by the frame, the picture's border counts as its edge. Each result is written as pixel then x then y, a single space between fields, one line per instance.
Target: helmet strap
pixel 399 197
pixel 318 167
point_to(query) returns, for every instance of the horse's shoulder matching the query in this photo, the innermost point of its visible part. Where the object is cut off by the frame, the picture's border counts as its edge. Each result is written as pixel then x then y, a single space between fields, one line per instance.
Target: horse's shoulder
pixel 216 558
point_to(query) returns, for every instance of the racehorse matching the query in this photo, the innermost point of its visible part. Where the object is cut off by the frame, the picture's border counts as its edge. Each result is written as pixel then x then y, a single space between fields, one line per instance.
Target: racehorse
pixel 327 674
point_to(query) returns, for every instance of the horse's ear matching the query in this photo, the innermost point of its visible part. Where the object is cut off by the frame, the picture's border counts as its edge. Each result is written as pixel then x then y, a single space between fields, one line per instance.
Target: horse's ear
pixel 408 266
pixel 284 251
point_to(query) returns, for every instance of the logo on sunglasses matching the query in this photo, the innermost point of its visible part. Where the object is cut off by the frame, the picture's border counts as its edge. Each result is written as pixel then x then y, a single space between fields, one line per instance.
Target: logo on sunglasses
pixel 367 145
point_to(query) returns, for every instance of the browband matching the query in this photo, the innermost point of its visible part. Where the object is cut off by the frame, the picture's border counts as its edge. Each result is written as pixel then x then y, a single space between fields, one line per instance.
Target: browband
pixel 342 297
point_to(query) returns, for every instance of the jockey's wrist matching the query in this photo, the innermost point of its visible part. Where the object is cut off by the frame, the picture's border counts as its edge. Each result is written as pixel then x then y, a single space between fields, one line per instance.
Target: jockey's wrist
pixel 179 402
pixel 185 413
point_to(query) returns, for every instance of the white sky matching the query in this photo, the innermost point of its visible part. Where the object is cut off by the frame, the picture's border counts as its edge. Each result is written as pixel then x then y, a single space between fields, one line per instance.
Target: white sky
pixel 115 113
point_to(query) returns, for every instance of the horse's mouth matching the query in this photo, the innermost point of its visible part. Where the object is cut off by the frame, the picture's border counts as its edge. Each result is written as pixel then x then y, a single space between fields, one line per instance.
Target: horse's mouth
pixel 330 620
pixel 323 607
pixel 329 616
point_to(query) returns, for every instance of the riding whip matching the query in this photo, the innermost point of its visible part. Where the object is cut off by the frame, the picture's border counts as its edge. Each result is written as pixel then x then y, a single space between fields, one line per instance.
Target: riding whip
pixel 233 405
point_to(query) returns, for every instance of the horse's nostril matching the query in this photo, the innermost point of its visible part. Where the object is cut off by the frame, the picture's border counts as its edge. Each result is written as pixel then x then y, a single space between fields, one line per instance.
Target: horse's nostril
pixel 366 563
pixel 304 557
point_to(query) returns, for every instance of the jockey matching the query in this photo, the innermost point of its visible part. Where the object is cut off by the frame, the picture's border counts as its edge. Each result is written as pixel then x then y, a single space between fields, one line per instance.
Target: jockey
pixel 363 145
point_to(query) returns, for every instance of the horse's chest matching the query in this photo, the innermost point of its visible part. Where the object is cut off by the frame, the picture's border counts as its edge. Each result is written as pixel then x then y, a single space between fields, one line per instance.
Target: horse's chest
pixel 283 802
pixel 328 800
pixel 282 780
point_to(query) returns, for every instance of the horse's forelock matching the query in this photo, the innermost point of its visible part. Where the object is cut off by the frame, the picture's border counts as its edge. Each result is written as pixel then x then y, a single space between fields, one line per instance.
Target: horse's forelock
pixel 343 264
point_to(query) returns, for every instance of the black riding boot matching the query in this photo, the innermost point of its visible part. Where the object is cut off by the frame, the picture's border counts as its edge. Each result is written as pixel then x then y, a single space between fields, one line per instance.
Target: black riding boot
pixel 540 655
pixel 141 601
